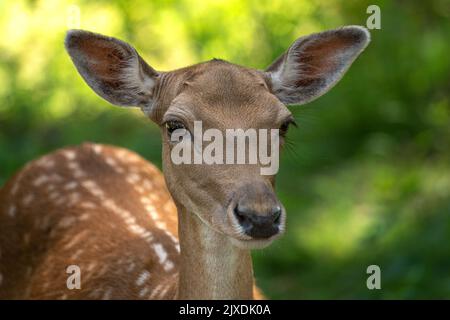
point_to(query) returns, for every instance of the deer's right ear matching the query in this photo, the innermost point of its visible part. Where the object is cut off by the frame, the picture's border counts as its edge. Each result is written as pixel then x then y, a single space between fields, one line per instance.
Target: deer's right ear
pixel 315 63
pixel 112 68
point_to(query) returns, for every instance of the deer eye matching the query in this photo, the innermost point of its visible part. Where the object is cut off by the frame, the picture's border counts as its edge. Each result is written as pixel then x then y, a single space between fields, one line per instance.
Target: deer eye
pixel 173 125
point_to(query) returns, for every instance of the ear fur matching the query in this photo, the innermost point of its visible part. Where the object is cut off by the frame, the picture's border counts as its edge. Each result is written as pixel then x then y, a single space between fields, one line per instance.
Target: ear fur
pixel 315 63
pixel 112 68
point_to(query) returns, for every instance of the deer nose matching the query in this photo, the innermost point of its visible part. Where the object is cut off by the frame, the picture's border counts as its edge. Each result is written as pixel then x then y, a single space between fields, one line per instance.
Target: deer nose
pixel 258 225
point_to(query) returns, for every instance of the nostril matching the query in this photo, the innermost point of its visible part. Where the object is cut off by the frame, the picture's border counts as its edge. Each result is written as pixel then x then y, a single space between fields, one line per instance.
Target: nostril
pixel 276 214
pixel 243 218
pixel 239 215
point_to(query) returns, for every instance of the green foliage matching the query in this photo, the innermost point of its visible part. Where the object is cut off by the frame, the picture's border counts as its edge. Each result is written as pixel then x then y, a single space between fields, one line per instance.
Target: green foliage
pixel 367 179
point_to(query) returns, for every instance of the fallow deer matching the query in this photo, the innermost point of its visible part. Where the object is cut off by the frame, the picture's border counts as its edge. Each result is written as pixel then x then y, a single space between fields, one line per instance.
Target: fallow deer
pixel 134 234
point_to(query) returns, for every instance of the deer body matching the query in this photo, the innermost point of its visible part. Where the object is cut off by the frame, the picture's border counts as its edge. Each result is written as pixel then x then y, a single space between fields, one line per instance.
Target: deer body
pixel 102 208
pixel 134 233
pixel 89 193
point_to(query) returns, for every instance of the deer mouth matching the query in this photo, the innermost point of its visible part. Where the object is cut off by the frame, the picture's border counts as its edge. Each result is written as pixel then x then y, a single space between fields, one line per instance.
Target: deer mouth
pixel 253 243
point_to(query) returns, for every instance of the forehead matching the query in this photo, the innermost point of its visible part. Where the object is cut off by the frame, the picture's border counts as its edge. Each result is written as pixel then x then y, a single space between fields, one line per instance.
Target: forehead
pixel 223 93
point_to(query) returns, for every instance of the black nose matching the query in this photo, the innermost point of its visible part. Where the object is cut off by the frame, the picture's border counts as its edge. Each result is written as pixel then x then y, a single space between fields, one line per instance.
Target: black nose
pixel 258 225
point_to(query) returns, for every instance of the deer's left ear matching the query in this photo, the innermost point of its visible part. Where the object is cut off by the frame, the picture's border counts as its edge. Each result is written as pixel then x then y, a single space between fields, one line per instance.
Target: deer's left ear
pixel 112 68
pixel 313 64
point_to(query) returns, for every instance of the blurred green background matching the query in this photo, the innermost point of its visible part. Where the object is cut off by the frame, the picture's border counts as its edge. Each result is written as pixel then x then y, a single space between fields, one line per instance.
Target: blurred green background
pixel 367 180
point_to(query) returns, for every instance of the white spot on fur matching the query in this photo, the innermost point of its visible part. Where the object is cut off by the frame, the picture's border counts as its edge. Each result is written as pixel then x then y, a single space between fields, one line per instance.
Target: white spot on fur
pixel 111 161
pixel 130 157
pixel 147 184
pixel 161 225
pixel 93 188
pixel 74 198
pixel 88 205
pixel 12 211
pixel 119 170
pixel 75 239
pixel 141 232
pixel 69 154
pixel 164 291
pixel 155 291
pixel 169 206
pixel 77 254
pixel 46 162
pixel 113 164
pixel 84 217
pixel 54 195
pixel 158 223
pixel 78 173
pixel 154 197
pixel 162 257
pixel 76 170
pixel 139 189
pixel 97 148
pixel 133 178
pixel 121 154
pixel 70 185
pixel 152 211
pixel 128 218
pixel 131 267
pixel 40 180
pixel 168 265
pixel 67 221
pixel 27 200
pixel 143 292
pixel 73 165
pixel 174 240
pixel 107 295
pixel 130 221
pixel 143 277
pixel 160 252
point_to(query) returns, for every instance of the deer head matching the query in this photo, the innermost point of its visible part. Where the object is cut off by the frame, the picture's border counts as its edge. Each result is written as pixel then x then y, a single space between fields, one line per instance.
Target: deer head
pixel 234 200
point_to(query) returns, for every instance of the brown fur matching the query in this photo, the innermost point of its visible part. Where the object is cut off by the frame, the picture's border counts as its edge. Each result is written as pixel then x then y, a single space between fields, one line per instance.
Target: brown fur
pixel 48 233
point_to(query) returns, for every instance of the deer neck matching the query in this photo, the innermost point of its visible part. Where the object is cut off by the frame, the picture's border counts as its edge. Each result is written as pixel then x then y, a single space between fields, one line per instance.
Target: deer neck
pixel 210 266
